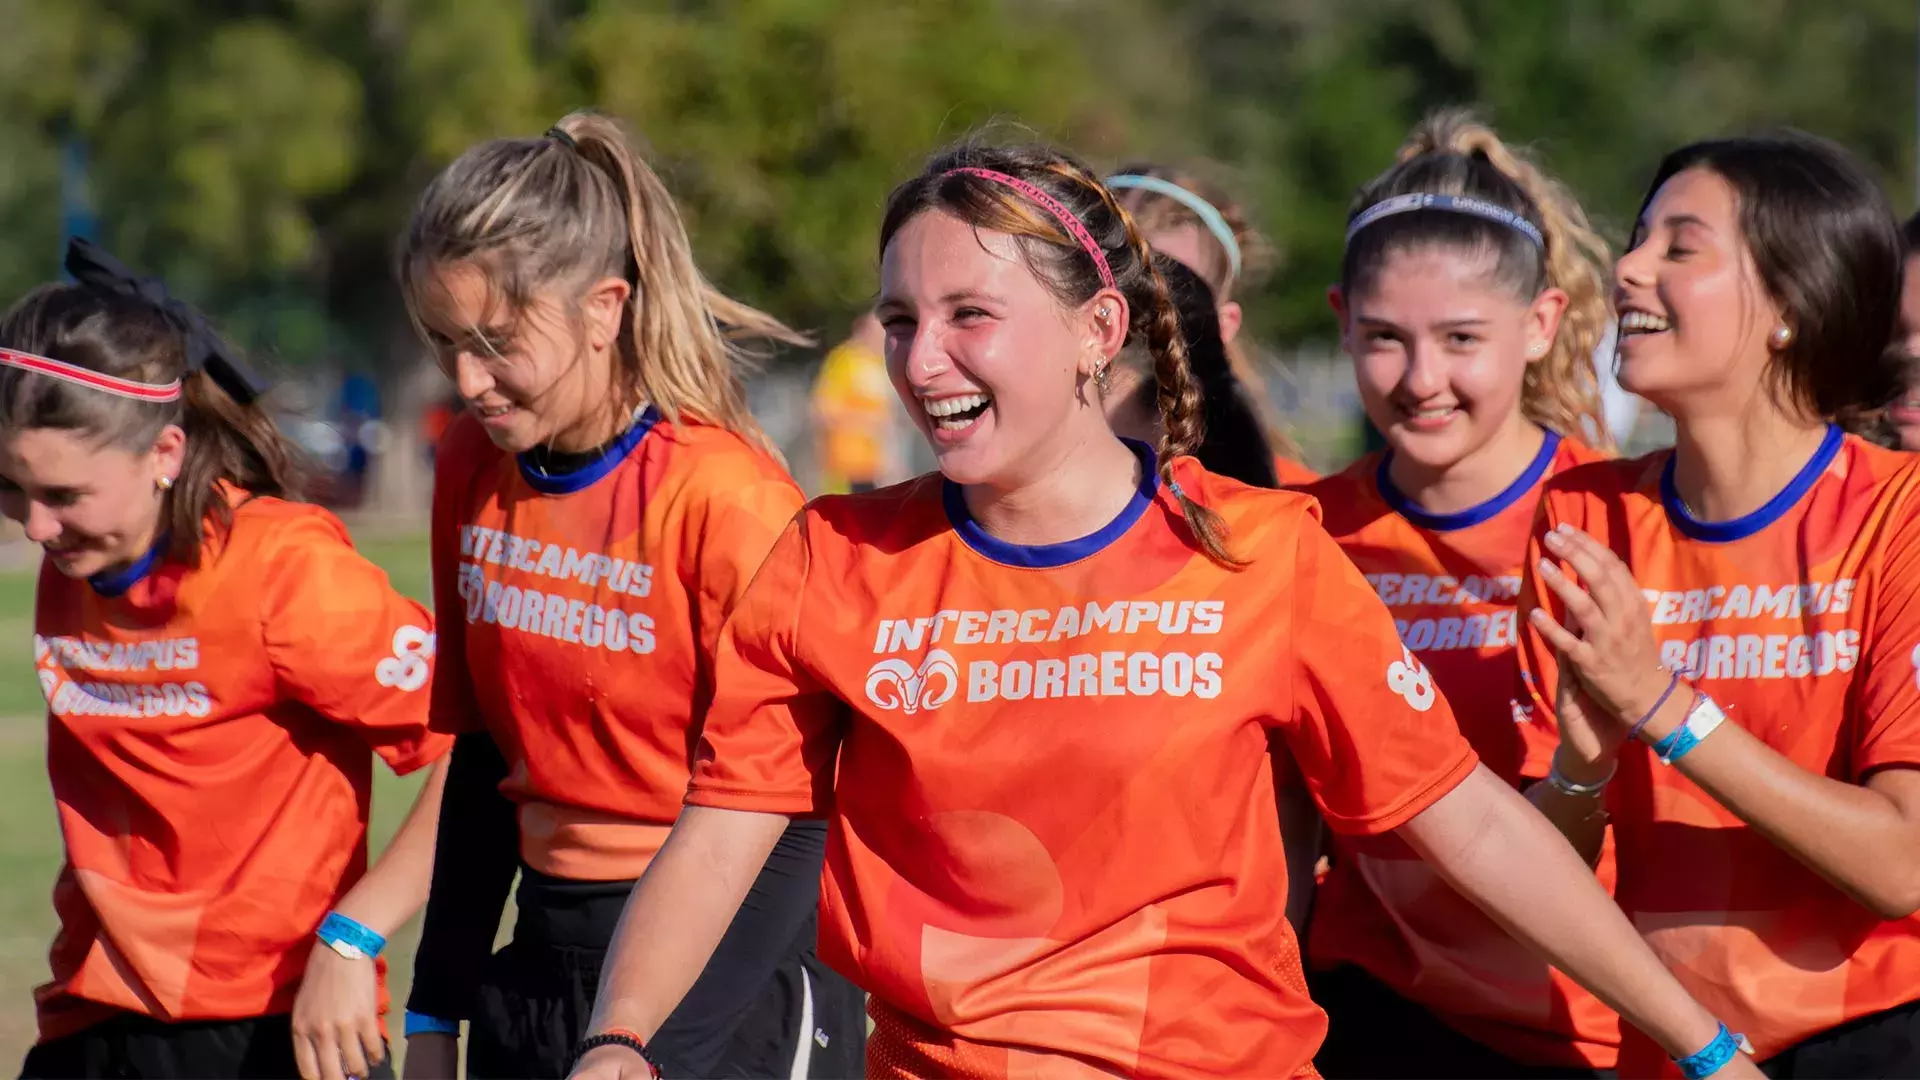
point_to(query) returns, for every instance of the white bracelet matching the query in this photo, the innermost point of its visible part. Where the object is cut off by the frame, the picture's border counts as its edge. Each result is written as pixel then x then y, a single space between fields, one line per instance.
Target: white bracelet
pixel 1559 782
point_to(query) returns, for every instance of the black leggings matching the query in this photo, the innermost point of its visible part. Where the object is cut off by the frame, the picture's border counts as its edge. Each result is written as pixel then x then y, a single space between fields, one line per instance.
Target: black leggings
pixel 744 1016
pixel 1373 1032
pixel 130 1045
pixel 1881 1044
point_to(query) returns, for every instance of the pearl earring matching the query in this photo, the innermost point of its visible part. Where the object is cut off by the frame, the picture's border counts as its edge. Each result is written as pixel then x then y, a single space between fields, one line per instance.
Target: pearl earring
pixel 165 483
pixel 1782 337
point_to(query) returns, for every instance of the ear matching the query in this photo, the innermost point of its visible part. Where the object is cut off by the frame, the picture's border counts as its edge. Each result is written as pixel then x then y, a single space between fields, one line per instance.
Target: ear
pixel 605 306
pixel 1337 300
pixel 1231 316
pixel 1543 322
pixel 1106 318
pixel 169 453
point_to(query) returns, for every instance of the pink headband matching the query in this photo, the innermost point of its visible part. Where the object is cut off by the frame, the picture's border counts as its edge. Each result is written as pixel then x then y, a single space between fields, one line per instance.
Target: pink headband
pixel 79 376
pixel 1052 206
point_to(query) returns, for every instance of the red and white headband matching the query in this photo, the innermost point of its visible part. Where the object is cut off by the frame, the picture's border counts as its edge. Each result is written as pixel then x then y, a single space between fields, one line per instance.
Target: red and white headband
pixel 80 376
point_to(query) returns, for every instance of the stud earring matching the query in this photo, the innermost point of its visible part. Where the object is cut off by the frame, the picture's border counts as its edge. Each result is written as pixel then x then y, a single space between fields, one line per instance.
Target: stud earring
pixel 164 483
pixel 1781 337
pixel 1537 349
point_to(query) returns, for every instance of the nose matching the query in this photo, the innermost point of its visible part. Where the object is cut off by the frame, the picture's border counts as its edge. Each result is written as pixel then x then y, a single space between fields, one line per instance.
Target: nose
pixel 1426 369
pixel 38 522
pixel 470 376
pixel 1635 266
pixel 923 355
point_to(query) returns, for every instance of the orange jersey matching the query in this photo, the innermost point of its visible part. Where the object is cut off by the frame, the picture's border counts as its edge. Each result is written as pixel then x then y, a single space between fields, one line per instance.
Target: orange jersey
pixel 1054 844
pixel 1800 621
pixel 1451 581
pixel 581 615
pixel 208 737
pixel 1292 473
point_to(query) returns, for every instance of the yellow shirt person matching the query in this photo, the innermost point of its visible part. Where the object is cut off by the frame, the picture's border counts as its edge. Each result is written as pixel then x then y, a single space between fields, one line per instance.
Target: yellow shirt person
pixel 854 411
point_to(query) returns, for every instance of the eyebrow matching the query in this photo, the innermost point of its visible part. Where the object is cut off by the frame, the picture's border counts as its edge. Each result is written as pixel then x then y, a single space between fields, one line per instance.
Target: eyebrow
pixel 1676 222
pixel 1444 324
pixel 894 303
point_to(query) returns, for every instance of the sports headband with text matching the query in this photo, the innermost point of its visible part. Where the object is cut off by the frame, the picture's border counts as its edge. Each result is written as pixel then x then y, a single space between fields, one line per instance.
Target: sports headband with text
pixel 1453 204
pixel 1074 226
pixel 1208 214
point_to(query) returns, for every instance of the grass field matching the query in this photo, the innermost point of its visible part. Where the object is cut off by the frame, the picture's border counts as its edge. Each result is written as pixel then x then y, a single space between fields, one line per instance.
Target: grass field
pixel 31 855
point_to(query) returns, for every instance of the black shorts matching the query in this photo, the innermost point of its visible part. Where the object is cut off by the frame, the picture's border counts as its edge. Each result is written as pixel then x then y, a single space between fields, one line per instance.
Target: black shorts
pixel 1882 1044
pixel 762 1008
pixel 1373 1032
pixel 140 1046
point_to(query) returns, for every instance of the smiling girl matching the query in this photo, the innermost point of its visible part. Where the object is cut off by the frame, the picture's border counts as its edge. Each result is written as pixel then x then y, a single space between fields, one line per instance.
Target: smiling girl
pixel 1054 846
pixel 221 668
pixel 1725 631
pixel 1471 299
pixel 597 512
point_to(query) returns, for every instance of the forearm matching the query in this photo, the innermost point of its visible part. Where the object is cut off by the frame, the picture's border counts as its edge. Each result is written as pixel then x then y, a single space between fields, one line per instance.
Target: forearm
pixel 397 884
pixel 474 861
pixel 1581 819
pixel 679 911
pixel 1861 840
pixel 1487 842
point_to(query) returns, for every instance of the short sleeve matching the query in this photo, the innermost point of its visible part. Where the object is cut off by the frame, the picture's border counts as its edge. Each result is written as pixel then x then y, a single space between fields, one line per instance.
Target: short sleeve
pixel 454 710
pixel 1372 735
pixel 345 642
pixel 1886 723
pixel 772 735
pixel 737 521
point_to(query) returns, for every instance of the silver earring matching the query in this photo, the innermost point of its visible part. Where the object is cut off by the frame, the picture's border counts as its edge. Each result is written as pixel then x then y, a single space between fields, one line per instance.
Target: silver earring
pixel 1100 378
pixel 1537 349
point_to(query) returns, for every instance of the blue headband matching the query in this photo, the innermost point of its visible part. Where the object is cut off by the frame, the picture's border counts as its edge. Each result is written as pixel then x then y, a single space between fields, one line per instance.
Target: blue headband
pixel 1204 210
pixel 1457 204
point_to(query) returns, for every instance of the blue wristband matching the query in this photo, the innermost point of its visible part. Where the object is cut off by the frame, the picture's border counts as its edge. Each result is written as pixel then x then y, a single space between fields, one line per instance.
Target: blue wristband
pixel 347 937
pixel 422 1024
pixel 1713 1057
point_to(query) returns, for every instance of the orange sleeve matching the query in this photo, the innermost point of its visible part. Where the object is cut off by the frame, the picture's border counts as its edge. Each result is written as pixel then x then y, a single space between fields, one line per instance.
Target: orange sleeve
pixel 454 710
pixel 1886 720
pixel 342 640
pixel 1373 737
pixel 737 523
pixel 773 732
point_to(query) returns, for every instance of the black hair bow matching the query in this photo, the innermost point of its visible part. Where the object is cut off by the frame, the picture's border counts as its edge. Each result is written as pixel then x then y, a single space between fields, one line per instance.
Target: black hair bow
pixel 93 268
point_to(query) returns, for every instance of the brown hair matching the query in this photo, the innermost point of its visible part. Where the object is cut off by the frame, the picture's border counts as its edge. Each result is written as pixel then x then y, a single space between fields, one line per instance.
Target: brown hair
pixel 1067 270
pixel 573 207
pixel 1154 212
pixel 1828 250
pixel 1450 153
pixel 228 441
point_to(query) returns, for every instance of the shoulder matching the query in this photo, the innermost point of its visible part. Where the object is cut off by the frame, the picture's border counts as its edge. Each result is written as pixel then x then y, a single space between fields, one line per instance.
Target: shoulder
pixel 895 516
pixel 1573 453
pixel 1351 497
pixel 1606 480
pixel 464 445
pixel 266 523
pixel 701 467
pixel 1262 523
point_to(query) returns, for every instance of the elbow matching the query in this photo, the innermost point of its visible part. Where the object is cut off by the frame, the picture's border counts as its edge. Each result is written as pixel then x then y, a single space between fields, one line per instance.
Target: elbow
pixel 1894 900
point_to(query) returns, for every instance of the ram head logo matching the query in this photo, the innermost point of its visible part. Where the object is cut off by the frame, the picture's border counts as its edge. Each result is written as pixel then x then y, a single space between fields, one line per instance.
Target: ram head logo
pixel 895 684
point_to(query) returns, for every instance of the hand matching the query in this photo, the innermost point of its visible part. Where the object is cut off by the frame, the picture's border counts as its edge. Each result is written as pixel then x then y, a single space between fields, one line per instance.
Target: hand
pixel 611 1063
pixel 1589 743
pixel 1610 646
pixel 336 1024
pixel 433 1055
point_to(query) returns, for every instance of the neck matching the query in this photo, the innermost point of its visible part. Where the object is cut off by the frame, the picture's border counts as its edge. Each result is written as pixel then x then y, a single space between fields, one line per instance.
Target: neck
pixel 1482 474
pixel 1081 489
pixel 1728 464
pixel 600 427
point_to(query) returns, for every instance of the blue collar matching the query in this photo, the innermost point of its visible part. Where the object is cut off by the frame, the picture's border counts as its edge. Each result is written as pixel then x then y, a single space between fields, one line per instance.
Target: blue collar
pixel 1472 515
pixel 117 582
pixel 585 476
pixel 1720 532
pixel 1044 556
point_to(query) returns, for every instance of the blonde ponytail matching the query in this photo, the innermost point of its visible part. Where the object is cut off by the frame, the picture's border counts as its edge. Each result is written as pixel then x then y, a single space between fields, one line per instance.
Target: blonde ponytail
pixel 578 205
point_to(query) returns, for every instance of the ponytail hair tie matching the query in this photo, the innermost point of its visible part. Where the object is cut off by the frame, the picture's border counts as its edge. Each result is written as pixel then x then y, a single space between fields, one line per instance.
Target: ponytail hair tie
pixel 559 134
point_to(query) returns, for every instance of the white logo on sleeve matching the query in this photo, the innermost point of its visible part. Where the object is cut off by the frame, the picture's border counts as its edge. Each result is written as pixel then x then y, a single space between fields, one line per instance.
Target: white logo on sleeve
pixel 1916 665
pixel 407 668
pixel 1411 680
pixel 892 684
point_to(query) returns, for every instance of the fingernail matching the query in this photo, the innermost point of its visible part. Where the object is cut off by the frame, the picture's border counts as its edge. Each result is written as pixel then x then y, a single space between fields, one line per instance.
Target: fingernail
pixel 1564 527
pixel 1546 570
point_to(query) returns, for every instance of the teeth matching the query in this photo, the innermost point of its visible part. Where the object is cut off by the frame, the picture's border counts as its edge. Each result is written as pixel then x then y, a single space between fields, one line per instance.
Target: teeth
pixel 1434 413
pixel 941 407
pixel 1642 322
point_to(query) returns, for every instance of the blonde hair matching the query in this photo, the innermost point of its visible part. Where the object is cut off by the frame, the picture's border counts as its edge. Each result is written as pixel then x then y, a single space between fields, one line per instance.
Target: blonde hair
pixel 575 206
pixel 1155 212
pixel 1451 153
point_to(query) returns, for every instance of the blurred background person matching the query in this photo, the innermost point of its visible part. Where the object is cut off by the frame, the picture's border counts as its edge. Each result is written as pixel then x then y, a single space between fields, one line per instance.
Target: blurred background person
pixel 855 414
